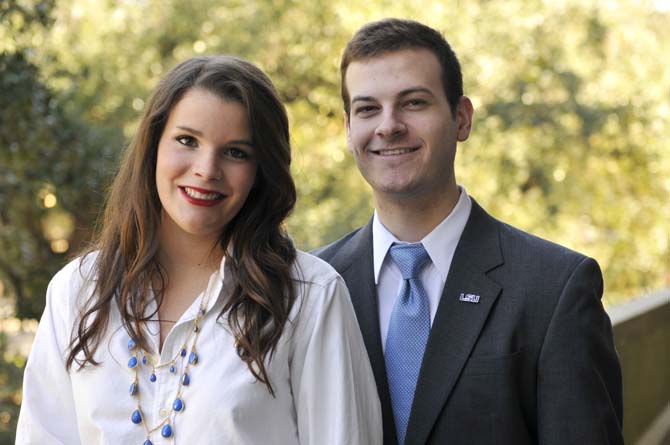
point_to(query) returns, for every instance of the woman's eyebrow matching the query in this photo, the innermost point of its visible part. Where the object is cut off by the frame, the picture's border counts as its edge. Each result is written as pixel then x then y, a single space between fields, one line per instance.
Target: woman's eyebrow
pixel 200 134
pixel 240 142
pixel 190 130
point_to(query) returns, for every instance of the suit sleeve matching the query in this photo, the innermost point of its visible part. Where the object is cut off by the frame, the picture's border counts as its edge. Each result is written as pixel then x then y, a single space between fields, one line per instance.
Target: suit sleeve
pixel 331 379
pixel 579 376
pixel 47 415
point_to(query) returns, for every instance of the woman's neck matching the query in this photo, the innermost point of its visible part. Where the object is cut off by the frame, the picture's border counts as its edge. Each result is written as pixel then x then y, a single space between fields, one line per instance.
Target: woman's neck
pixel 188 263
pixel 178 257
pixel 180 251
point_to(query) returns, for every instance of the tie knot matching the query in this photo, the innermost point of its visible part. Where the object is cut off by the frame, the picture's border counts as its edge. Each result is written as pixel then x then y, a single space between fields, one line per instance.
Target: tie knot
pixel 409 258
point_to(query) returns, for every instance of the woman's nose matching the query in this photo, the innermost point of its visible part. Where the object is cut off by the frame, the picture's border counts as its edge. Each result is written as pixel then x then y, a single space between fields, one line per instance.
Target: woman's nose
pixel 207 166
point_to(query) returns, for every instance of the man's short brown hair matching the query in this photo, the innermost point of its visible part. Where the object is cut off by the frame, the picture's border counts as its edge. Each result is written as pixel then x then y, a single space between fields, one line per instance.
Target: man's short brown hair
pixel 388 35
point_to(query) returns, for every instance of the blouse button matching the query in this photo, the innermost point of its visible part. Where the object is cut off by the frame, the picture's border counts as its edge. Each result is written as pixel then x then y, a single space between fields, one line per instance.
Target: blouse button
pixel 163 412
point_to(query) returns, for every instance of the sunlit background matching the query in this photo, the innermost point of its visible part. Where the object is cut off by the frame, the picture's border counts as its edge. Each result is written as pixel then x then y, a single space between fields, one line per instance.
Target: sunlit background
pixel 571 138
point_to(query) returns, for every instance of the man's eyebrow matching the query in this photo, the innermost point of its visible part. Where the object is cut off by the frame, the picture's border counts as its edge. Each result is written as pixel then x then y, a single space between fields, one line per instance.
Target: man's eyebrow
pixel 414 90
pixel 362 99
pixel 403 93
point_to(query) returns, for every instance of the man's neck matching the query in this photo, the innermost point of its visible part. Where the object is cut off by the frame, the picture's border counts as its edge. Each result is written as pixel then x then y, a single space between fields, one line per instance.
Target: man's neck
pixel 410 219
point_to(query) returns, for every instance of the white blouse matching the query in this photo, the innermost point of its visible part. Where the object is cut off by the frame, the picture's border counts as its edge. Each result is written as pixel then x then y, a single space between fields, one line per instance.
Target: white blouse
pixel 325 392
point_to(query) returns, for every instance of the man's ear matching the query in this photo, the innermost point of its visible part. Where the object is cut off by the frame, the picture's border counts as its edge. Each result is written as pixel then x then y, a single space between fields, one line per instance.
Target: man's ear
pixel 347 130
pixel 464 112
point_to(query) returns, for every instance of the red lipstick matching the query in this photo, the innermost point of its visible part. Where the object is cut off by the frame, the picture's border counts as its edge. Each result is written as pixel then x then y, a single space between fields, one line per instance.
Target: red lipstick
pixel 198 201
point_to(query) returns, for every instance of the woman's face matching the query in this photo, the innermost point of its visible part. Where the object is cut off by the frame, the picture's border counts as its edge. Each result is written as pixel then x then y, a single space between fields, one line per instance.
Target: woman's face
pixel 205 165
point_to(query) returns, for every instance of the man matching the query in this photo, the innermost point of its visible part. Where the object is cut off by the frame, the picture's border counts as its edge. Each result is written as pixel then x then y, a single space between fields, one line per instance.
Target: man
pixel 478 333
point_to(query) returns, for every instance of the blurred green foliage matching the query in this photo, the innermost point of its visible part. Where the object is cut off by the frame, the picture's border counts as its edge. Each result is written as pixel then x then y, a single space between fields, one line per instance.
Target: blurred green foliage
pixel 571 116
pixel 11 370
pixel 44 149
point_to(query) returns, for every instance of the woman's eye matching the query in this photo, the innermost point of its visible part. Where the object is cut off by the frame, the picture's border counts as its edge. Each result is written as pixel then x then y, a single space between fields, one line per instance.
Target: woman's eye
pixel 237 153
pixel 189 141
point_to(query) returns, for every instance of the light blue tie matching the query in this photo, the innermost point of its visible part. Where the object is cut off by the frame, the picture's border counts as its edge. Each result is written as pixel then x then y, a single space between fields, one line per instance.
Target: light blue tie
pixel 407 334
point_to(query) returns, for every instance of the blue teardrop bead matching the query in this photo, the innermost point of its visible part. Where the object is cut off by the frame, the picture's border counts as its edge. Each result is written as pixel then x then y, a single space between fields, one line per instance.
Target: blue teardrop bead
pixel 193 358
pixel 131 344
pixel 148 442
pixel 183 352
pixel 166 431
pixel 136 418
pixel 178 404
pixel 152 377
pixel 171 368
pixel 132 362
pixel 202 311
pixel 133 389
pixel 144 360
pixel 185 380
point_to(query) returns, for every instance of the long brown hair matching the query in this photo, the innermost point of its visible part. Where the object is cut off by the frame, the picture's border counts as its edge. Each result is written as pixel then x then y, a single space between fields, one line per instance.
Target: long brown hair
pixel 263 254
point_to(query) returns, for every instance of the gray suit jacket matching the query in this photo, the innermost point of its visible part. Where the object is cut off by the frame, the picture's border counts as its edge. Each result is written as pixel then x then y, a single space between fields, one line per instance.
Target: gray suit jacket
pixel 533 362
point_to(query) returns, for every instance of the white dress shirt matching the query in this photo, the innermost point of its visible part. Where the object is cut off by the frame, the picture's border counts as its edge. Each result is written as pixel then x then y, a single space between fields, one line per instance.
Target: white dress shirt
pixel 325 391
pixel 440 244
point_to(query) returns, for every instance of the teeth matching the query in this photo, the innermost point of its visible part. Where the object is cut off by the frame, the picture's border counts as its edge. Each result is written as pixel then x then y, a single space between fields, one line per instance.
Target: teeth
pixel 197 195
pixel 395 151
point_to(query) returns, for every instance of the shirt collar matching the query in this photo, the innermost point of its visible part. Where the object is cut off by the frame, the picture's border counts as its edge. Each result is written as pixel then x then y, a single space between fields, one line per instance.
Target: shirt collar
pixel 382 239
pixel 440 243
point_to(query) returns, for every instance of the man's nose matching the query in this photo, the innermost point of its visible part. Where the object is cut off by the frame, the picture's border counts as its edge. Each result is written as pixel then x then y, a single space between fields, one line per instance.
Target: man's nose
pixel 390 126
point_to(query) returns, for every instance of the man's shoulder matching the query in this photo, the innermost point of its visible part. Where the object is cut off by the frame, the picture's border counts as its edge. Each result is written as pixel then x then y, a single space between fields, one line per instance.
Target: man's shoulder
pixel 514 239
pixel 520 246
pixel 529 263
pixel 533 256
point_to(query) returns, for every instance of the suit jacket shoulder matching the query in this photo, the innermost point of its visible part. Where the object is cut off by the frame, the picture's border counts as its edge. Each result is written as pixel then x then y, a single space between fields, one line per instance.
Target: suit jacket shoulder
pixel 516 240
pixel 538 265
pixel 328 251
pixel 353 248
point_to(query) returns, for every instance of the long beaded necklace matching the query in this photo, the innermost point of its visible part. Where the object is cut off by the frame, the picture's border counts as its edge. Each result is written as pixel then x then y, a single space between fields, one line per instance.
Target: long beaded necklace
pixel 137 417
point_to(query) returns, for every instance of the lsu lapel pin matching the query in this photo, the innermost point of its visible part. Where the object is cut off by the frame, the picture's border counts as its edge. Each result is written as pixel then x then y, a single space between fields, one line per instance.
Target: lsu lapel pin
pixel 469 298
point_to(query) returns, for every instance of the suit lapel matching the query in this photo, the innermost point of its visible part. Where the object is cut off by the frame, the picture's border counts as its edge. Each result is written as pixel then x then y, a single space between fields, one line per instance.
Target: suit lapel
pixel 355 263
pixel 457 324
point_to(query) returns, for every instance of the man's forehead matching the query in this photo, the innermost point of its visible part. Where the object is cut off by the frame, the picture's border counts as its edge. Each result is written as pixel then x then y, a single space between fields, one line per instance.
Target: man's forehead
pixel 397 57
pixel 394 73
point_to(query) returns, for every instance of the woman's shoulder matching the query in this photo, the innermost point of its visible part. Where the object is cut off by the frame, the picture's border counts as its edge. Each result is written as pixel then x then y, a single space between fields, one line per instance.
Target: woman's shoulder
pixel 319 287
pixel 73 277
pixel 308 268
pixel 323 306
pixel 79 268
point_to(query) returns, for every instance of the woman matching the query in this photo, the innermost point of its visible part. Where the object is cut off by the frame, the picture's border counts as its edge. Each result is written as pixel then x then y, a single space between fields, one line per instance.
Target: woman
pixel 194 319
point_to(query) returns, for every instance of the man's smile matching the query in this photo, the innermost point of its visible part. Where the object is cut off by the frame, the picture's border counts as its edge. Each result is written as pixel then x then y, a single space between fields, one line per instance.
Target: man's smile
pixel 392 151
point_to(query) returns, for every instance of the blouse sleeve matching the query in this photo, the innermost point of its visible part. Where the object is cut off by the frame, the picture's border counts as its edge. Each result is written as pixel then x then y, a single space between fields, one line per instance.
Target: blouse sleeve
pixel 332 382
pixel 47 412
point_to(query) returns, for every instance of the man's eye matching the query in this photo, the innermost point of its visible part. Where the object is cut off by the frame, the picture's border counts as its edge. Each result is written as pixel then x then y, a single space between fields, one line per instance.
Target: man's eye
pixel 416 103
pixel 189 141
pixel 365 109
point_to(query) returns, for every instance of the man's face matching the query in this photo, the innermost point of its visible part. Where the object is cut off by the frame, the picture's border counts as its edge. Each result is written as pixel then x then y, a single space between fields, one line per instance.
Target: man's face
pixel 401 129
